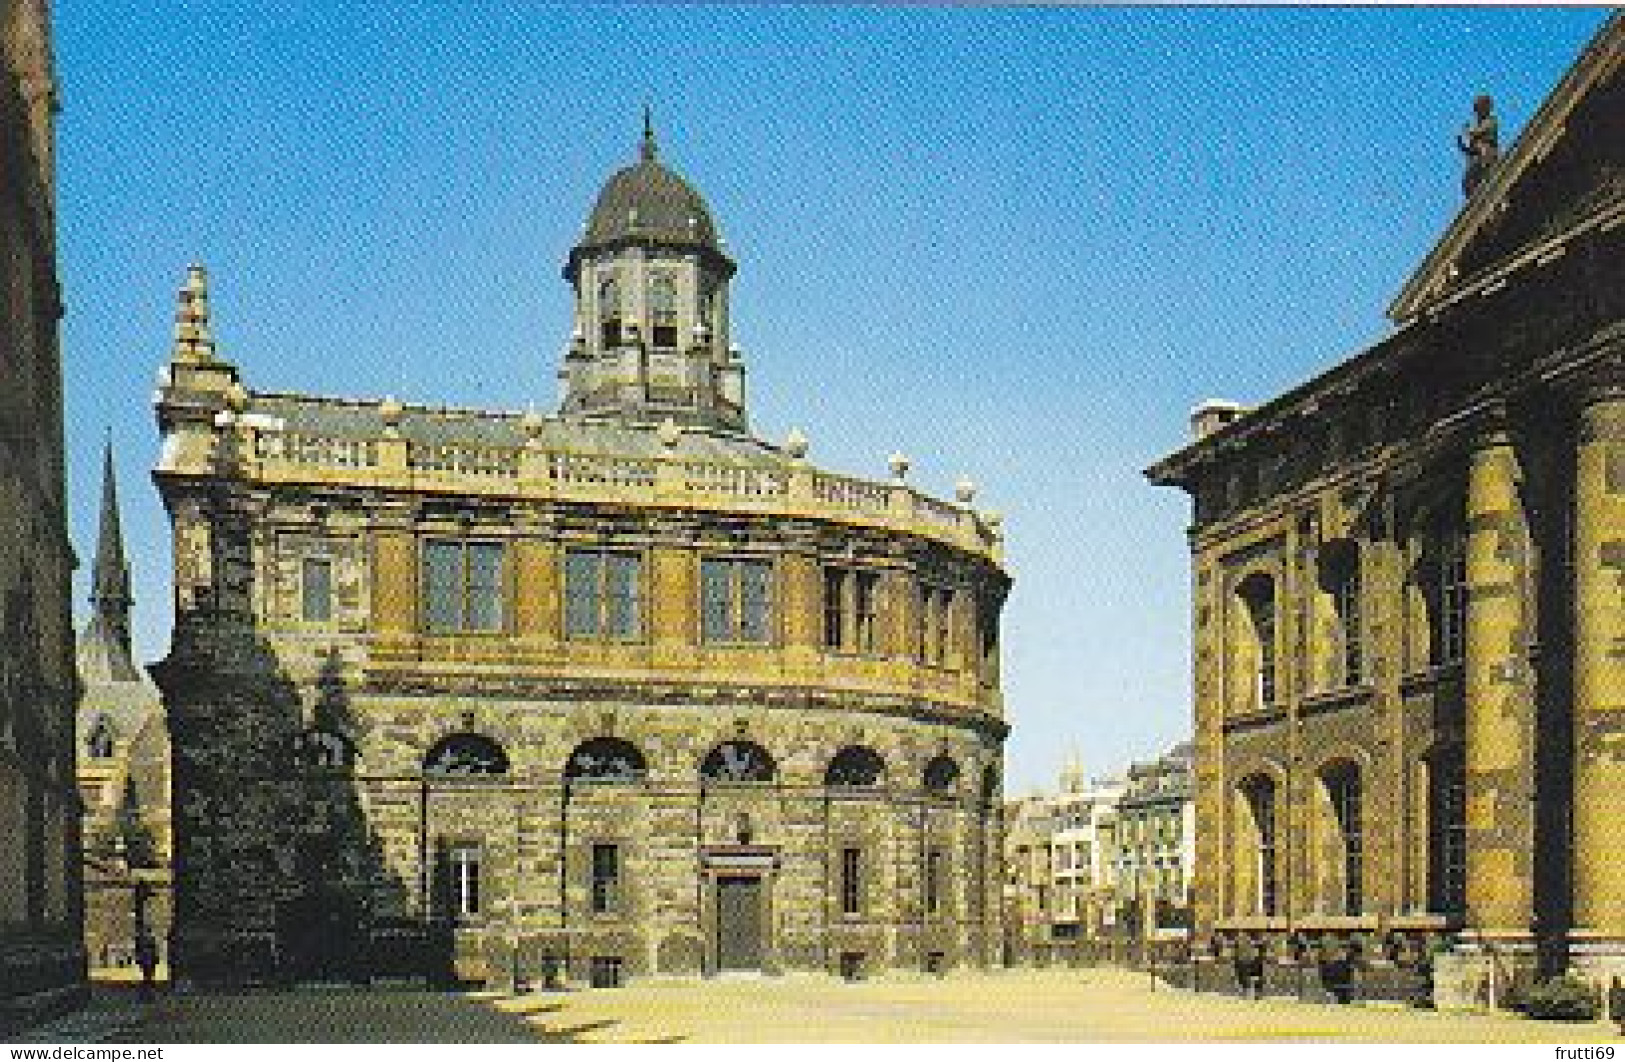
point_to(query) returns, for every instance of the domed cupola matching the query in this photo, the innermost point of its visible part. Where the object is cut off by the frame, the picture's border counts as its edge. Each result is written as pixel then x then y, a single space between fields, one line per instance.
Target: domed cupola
pixel 649 202
pixel 651 292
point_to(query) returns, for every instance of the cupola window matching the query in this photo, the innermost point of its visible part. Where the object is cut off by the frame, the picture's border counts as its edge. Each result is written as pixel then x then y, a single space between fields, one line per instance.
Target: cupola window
pixel 609 311
pixel 663 311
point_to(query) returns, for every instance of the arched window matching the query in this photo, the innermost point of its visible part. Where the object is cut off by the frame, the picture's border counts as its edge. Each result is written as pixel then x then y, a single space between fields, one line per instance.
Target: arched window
pixel 1340 580
pixel 1255 857
pixel 323 750
pixel 738 761
pixel 609 311
pixel 605 759
pixel 99 744
pixel 465 754
pixel 941 774
pixel 1257 593
pixel 855 766
pixel 1343 851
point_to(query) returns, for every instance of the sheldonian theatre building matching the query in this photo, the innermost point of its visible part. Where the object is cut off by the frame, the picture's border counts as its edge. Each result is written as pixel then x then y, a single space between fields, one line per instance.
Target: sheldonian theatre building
pixel 617 691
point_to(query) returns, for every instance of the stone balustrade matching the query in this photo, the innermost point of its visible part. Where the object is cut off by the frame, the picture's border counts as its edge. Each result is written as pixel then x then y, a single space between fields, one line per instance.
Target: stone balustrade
pixel 273 454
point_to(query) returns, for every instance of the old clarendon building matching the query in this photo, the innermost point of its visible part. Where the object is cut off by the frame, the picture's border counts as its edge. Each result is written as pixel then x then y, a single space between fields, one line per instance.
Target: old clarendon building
pixel 617 691
pixel 1409 593
pixel 42 963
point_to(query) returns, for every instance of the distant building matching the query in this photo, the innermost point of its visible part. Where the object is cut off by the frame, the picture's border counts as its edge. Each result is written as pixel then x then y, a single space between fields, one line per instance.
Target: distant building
pixel 1154 842
pixel 123 764
pixel 620 691
pixel 42 961
pixel 1410 694
pixel 1086 865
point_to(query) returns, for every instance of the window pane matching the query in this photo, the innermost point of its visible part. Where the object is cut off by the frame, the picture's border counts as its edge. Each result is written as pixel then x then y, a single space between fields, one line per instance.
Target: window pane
pixel 716 601
pixel 624 570
pixel 865 607
pixel 834 594
pixel 581 572
pixel 755 591
pixel 484 593
pixel 442 577
pixel 317 592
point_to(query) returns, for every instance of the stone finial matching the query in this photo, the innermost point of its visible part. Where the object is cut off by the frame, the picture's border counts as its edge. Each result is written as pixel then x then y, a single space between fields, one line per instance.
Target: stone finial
pixel 531 424
pixel 390 410
pixel 236 397
pixel 795 444
pixel 899 465
pixel 965 490
pixel 994 521
pixel 669 434
pixel 193 342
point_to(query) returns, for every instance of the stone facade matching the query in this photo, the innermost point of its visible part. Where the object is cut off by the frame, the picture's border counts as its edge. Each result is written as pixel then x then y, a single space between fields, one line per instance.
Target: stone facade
pixel 1059 869
pixel 1093 869
pixel 1154 842
pixel 620 691
pixel 41 952
pixel 123 765
pixel 1408 612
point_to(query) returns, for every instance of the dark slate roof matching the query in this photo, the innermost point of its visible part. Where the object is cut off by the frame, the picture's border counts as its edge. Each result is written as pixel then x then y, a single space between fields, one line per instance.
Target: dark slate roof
pixel 359 419
pixel 650 202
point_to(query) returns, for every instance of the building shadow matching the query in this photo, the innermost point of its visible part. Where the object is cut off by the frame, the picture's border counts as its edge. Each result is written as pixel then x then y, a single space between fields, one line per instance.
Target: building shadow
pixel 279 871
pixel 342 1015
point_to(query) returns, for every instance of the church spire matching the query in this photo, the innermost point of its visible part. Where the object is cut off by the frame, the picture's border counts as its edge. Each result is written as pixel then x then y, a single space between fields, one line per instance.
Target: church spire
pixel 109 627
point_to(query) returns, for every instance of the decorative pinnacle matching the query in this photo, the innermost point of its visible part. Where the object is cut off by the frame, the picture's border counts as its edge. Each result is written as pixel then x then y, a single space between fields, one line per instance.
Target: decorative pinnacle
pixel 648 151
pixel 192 340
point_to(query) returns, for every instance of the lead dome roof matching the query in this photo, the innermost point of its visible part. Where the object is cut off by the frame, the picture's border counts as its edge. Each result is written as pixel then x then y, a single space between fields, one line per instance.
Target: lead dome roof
pixel 649 202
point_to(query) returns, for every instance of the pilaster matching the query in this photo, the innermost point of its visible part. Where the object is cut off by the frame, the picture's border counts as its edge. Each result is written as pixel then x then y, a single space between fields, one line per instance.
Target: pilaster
pixel 675 594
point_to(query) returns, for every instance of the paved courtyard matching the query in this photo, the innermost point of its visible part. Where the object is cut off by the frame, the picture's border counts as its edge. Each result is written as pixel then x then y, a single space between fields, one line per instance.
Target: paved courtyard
pixel 1002 1007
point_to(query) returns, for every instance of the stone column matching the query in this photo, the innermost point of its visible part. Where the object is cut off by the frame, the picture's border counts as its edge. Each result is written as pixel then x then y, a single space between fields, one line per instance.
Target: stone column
pixel 1500 705
pixel 1599 667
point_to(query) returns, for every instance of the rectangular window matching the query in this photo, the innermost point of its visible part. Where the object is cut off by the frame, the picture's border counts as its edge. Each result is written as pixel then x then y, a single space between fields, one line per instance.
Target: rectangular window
pixel 1447 827
pixel 606 878
pixel 735 600
pixel 1452 595
pixel 603 595
pixel 835 580
pixel 851 610
pixel 463 585
pixel 933 881
pixel 316 590
pixel 935 623
pixel 464 861
pixel 864 587
pixel 851 881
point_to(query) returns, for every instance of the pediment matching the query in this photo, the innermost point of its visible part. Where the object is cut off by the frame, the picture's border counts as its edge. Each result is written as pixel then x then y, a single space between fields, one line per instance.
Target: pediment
pixel 1564 175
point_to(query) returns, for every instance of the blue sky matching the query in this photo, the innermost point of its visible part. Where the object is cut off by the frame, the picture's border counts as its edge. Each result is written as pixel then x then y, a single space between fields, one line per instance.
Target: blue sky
pixel 1014 243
